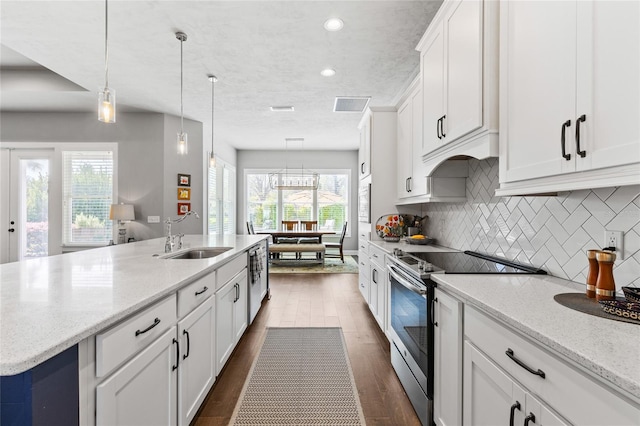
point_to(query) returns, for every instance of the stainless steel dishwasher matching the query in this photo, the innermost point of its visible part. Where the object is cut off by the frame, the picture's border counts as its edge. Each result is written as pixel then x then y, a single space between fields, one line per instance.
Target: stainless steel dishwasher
pixel 258 278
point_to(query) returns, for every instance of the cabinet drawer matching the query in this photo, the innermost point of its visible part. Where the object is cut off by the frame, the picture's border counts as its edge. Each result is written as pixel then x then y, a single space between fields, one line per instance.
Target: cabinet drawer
pixel 572 393
pixel 377 255
pixel 195 293
pixel 363 247
pixel 230 270
pixel 120 342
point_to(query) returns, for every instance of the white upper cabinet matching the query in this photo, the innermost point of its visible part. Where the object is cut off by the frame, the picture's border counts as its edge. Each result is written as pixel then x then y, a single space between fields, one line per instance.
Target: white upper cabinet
pixel 459 57
pixel 411 175
pixel 570 95
pixel 364 154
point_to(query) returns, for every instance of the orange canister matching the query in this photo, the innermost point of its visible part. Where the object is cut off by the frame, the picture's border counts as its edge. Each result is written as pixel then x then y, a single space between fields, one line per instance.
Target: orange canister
pixel 605 285
pixel 592 276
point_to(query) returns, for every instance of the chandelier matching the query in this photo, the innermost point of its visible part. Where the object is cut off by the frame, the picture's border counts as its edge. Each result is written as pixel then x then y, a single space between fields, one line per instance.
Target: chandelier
pixel 294 179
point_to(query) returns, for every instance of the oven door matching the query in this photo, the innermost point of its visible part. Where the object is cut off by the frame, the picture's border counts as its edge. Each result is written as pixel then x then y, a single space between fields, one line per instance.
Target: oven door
pixel 411 325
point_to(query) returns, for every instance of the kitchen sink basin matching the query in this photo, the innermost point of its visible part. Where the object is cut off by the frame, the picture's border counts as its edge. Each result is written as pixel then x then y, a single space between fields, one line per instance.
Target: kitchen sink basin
pixel 199 253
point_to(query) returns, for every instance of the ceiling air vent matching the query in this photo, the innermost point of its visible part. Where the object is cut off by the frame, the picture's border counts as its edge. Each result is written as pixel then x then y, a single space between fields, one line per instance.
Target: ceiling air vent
pixel 351 103
pixel 282 108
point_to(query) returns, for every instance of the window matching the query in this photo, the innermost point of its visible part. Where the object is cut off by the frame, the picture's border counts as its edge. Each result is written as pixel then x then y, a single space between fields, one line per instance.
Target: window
pixel 329 204
pixel 221 199
pixel 87 197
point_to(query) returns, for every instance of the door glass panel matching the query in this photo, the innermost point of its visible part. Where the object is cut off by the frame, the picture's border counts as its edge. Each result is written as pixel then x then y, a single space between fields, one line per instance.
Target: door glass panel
pixel 34 194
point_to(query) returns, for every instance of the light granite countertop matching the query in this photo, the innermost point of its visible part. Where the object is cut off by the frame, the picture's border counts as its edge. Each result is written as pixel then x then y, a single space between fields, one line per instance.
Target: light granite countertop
pixel 607 348
pixel 51 303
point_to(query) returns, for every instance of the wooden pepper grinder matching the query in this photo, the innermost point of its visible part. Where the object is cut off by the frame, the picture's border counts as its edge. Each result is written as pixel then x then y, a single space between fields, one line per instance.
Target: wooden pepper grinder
pixel 605 286
pixel 592 277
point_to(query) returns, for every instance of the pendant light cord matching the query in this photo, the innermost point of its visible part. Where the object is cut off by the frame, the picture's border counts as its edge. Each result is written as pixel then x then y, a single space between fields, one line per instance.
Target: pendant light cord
pixel 106 43
pixel 181 103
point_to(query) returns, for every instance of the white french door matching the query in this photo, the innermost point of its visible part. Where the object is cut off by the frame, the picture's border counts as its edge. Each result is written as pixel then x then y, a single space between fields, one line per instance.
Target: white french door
pixel 26 213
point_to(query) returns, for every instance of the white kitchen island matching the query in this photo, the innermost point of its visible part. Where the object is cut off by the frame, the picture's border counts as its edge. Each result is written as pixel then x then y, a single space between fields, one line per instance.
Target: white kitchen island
pixel 50 305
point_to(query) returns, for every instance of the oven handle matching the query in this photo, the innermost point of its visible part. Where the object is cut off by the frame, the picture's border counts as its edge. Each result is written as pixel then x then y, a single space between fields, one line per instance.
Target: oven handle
pixel 395 273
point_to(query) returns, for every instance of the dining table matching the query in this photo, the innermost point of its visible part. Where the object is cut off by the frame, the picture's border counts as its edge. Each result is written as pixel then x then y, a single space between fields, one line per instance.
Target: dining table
pixel 296 234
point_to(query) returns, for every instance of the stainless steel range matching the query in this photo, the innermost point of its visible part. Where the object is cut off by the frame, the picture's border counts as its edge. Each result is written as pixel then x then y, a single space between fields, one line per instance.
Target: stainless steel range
pixel 412 298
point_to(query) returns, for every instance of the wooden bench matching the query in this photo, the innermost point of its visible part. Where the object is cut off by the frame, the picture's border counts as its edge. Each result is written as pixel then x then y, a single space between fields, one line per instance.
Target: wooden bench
pixel 278 249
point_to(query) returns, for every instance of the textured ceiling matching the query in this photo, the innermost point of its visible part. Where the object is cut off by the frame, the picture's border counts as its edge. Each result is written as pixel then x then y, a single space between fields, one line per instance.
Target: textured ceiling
pixel 264 53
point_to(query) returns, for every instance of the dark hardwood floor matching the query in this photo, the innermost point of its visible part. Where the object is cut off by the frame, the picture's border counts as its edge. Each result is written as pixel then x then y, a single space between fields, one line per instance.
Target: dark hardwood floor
pixel 318 300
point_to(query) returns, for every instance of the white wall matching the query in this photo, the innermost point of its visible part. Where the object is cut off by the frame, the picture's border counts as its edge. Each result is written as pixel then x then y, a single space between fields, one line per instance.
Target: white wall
pixel 148 162
pixel 292 159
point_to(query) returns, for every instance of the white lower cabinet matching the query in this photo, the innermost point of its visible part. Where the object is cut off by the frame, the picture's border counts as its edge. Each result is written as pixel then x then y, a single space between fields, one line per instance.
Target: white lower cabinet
pixel 503 369
pixel 231 317
pixel 378 284
pixel 447 394
pixel 144 390
pixel 197 369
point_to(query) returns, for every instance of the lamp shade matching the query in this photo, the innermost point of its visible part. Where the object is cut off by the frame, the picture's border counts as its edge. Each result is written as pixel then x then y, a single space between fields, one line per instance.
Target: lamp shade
pixel 122 212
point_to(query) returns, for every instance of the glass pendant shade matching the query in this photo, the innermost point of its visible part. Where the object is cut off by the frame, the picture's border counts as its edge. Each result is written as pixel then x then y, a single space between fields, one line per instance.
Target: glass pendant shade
pixel 107 105
pixel 212 160
pixel 183 145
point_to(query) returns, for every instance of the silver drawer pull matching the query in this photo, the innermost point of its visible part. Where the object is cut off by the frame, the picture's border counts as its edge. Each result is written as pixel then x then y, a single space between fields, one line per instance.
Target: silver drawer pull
pixel 510 354
pixel 155 322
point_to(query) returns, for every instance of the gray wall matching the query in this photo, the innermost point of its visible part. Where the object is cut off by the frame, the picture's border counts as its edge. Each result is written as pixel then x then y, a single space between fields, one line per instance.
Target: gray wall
pixel 148 162
pixel 292 159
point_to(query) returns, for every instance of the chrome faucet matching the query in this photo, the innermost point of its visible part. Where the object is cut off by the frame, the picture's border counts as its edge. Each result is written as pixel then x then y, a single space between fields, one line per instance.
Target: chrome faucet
pixel 168 243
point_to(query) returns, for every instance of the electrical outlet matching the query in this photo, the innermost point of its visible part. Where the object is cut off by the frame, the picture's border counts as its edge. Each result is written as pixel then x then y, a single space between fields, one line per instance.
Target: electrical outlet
pixel 615 239
pixel 153 219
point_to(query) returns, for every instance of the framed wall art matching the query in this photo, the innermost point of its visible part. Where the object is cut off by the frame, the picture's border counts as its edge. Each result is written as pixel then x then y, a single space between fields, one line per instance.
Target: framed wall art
pixel 184 180
pixel 183 208
pixel 184 193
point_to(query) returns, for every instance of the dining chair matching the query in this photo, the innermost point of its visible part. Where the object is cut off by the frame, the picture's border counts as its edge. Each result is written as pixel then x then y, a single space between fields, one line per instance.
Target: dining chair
pixel 308 225
pixel 289 225
pixel 336 245
pixel 250 229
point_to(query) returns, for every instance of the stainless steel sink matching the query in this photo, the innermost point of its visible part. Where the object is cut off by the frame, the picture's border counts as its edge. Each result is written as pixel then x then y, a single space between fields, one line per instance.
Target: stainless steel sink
pixel 198 253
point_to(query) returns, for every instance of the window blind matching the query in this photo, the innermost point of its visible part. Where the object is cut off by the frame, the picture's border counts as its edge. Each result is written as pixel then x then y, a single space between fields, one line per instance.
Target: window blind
pixel 87 197
pixel 212 198
pixel 229 200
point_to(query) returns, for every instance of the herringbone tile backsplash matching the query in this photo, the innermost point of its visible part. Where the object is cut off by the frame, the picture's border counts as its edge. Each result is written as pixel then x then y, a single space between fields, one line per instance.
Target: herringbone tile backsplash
pixel 548 232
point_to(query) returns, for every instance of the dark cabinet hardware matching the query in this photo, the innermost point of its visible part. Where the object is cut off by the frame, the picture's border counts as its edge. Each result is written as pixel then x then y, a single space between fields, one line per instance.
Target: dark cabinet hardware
pixel 529 418
pixel 438 128
pixel 186 333
pixel 198 293
pixel 442 126
pixel 12 222
pixel 155 322
pixel 12 230
pixel 433 305
pixel 580 119
pixel 514 407
pixel 562 140
pixel 409 179
pixel 237 287
pixel 509 353
pixel 175 367
pixel 362 168
pixel 374 276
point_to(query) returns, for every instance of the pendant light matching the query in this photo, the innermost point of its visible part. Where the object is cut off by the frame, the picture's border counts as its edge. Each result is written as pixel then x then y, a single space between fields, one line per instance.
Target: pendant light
pixel 183 147
pixel 212 156
pixel 106 95
pixel 292 179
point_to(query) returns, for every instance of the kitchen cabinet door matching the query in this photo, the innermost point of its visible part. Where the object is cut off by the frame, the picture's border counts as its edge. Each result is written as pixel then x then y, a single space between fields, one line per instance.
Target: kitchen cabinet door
pixel 489 394
pixel 197 370
pixel 464 73
pixel 225 334
pixel 231 317
pixel 608 52
pixel 538 78
pixel 364 154
pixel 432 65
pixel 144 390
pixel 405 149
pixel 240 311
pixel 373 291
pixel 418 183
pixel 447 394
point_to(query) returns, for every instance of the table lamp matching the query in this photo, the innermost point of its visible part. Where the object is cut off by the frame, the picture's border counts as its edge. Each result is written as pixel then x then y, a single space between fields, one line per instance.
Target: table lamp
pixel 122 213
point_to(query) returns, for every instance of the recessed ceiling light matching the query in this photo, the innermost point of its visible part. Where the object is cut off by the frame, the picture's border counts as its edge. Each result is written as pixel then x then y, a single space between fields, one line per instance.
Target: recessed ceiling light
pixel 328 72
pixel 282 108
pixel 333 24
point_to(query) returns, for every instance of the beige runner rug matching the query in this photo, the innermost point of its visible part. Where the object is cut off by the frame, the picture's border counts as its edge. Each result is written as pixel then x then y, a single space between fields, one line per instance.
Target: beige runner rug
pixel 302 376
